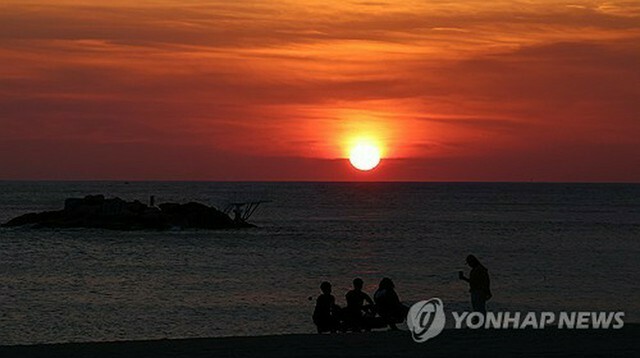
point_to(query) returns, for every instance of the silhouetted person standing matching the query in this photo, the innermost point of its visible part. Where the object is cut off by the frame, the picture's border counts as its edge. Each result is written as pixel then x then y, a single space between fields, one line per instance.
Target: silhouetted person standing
pixel 479 284
pixel 388 304
pixel 356 305
pixel 237 214
pixel 325 315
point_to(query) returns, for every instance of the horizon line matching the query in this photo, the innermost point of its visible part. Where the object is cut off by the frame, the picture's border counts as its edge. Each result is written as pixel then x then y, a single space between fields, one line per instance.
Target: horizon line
pixel 285 181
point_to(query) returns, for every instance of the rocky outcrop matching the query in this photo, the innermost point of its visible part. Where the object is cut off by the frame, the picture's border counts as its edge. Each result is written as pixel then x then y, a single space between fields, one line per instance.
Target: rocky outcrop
pixel 95 211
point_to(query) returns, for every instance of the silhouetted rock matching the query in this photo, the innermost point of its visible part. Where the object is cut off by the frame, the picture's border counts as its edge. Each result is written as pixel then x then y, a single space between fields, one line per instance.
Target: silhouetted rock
pixel 94 211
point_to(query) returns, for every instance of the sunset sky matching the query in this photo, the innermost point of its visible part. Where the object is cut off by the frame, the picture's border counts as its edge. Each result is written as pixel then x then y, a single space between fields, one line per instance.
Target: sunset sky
pixel 472 90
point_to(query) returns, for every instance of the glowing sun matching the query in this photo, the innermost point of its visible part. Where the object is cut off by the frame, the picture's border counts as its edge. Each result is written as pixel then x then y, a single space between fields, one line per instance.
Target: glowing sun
pixel 364 156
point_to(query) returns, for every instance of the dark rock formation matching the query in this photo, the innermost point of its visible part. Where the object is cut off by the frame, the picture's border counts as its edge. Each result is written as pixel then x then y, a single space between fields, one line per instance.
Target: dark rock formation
pixel 95 211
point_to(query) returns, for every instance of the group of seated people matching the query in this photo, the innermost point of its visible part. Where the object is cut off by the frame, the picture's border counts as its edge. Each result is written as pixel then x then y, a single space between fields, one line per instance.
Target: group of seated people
pixel 361 312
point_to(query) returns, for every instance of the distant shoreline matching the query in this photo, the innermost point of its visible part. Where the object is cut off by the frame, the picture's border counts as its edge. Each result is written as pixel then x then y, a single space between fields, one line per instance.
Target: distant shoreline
pixel 528 343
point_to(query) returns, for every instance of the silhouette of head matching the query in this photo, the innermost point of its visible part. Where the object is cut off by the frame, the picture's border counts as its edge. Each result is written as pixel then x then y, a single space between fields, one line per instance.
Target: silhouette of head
pixel 358 283
pixel 472 261
pixel 386 284
pixel 325 287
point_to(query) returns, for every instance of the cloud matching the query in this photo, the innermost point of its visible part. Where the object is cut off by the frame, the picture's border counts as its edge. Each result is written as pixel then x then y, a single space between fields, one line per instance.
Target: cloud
pixel 458 79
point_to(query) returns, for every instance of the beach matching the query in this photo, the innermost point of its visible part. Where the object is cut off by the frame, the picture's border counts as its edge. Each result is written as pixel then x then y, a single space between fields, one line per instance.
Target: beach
pixel 549 342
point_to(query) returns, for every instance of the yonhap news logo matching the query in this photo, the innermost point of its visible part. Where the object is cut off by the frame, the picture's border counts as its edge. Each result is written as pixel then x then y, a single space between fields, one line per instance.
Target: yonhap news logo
pixel 427 319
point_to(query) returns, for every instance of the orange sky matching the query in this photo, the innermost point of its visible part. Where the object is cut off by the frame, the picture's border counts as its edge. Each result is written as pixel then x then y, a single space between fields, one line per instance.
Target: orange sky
pixel 277 90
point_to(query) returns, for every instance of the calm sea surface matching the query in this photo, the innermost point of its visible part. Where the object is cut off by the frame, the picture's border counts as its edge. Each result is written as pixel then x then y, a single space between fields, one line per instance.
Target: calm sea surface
pixel 547 246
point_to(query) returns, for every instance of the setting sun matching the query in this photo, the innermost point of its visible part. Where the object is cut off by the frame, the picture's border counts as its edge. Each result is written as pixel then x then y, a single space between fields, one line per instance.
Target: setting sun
pixel 364 156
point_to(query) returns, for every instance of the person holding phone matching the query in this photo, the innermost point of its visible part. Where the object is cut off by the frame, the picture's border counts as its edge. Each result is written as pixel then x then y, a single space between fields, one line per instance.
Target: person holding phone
pixel 479 284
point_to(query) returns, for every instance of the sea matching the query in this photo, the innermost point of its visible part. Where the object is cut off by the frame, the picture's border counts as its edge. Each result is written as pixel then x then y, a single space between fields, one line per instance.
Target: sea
pixel 548 247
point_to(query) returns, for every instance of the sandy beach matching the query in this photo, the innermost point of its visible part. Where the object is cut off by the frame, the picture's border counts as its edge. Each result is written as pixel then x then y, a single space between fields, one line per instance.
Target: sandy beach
pixel 529 343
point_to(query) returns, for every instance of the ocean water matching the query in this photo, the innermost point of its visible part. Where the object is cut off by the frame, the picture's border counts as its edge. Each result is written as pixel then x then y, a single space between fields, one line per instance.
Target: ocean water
pixel 547 247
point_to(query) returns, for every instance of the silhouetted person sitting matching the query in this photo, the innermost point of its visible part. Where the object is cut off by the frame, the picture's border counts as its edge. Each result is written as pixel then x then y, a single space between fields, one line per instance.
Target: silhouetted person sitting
pixel 325 315
pixel 388 304
pixel 479 284
pixel 356 307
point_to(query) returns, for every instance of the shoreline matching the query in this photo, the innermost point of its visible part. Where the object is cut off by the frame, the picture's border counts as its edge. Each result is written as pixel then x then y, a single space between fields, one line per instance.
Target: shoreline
pixel 464 342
